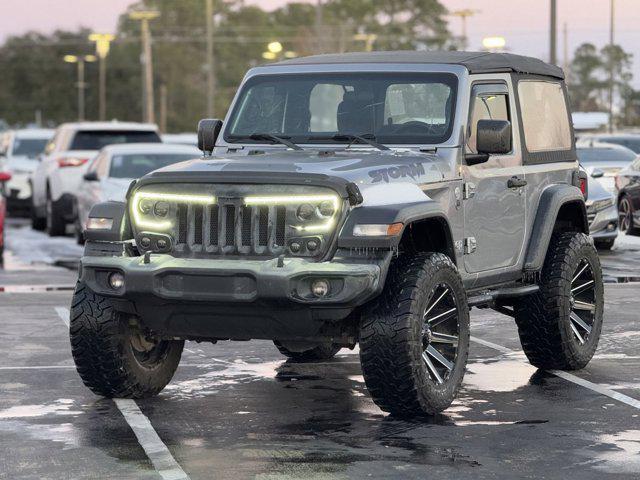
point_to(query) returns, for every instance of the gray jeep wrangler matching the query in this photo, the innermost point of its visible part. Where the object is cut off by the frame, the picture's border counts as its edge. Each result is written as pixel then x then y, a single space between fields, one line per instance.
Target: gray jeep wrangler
pixel 366 199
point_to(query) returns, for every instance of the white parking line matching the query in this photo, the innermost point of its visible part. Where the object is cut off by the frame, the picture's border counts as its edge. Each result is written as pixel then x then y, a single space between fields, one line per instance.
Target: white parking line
pixel 156 450
pixel 632 402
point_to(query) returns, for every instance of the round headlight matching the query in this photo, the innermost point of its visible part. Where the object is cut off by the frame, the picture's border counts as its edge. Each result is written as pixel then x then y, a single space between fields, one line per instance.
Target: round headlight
pixel 326 209
pixel 161 209
pixel 305 211
pixel 145 206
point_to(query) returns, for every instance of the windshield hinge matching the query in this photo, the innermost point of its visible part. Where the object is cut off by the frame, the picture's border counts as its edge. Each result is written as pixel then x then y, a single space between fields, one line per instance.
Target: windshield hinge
pixel 469 190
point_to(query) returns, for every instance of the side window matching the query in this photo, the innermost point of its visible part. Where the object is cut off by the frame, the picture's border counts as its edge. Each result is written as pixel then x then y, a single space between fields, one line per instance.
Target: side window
pixel 545 119
pixel 99 166
pixel 485 106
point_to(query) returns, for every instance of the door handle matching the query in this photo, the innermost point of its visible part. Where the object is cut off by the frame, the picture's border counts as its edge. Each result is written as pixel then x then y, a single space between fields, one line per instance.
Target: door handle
pixel 516 182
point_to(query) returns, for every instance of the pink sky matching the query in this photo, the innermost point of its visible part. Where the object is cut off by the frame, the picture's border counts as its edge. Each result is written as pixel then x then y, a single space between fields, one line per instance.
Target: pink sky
pixel 524 23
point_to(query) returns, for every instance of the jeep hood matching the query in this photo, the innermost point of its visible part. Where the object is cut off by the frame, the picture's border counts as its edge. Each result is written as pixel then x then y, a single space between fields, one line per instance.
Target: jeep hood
pixel 395 174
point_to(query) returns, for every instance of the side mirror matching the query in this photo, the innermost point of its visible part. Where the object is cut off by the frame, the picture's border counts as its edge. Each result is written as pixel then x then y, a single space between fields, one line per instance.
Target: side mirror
pixel 597 173
pixel 208 131
pixel 494 137
pixel 5 177
pixel 91 176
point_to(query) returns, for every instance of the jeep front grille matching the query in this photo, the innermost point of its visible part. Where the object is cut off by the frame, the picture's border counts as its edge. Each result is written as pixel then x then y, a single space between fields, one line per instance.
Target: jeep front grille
pixel 234 220
pixel 228 228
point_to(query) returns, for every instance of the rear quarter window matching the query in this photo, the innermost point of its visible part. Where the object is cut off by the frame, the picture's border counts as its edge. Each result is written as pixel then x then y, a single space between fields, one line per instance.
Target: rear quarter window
pixel 545 118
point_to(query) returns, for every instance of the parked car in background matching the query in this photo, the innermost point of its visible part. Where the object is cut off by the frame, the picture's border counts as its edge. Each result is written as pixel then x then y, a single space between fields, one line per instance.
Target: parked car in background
pixel 604 160
pixel 58 176
pixel 629 140
pixel 4 177
pixel 112 170
pixel 20 150
pixel 181 138
pixel 628 186
pixel 602 214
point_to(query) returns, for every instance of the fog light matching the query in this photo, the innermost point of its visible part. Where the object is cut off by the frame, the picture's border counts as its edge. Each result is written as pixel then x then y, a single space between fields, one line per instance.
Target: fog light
pixel 611 227
pixel 320 288
pixel 116 280
pixel 295 247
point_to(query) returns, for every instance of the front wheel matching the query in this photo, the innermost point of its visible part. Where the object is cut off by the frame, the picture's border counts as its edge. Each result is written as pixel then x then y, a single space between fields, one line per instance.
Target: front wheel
pixel 114 355
pixel 560 325
pixel 414 339
pixel 625 216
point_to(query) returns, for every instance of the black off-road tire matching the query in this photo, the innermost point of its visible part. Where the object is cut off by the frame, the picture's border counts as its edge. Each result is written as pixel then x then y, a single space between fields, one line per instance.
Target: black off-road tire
pixel 543 319
pixel 56 224
pixel 320 352
pixel 392 336
pixel 101 345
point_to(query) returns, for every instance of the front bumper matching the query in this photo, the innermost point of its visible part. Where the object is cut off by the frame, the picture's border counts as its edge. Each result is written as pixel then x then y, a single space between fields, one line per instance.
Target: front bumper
pixel 237 299
pixel 235 281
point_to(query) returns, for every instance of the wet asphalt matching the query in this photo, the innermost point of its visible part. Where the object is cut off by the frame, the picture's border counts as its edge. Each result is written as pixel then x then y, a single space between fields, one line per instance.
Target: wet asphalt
pixel 239 410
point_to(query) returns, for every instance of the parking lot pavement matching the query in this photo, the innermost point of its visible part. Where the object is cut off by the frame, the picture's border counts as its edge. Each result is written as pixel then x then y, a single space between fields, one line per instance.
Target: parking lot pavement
pixel 238 410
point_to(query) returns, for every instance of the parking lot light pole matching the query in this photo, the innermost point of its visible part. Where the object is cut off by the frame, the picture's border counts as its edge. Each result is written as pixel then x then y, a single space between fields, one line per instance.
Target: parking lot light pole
pixel 144 16
pixel 81 84
pixel 103 44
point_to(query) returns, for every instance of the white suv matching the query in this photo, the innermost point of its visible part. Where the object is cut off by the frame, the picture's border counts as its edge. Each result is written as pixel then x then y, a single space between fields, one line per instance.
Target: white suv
pixel 19 152
pixel 65 160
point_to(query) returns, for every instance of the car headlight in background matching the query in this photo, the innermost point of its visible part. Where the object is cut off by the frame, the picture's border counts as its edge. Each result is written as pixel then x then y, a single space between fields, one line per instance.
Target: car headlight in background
pixel 149 209
pixel 316 213
pixel 600 205
pixel 99 223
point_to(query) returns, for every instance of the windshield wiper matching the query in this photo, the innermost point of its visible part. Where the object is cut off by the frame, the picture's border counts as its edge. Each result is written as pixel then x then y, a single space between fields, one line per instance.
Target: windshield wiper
pixel 269 136
pixel 367 138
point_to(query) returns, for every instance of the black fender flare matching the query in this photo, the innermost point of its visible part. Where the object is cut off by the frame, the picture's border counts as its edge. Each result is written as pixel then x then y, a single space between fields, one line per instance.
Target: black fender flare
pixel 552 199
pixel 120 229
pixel 386 215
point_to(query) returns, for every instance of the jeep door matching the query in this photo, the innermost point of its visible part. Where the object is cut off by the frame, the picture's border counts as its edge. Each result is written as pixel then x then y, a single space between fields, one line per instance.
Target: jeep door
pixel 494 210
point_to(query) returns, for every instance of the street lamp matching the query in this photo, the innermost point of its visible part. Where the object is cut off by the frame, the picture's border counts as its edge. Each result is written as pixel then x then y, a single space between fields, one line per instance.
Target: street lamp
pixel 144 16
pixel 494 44
pixel 103 44
pixel 275 50
pixel 81 84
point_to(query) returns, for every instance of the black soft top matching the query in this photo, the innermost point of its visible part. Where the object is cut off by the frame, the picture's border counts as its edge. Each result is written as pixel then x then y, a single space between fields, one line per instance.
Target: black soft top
pixel 475 62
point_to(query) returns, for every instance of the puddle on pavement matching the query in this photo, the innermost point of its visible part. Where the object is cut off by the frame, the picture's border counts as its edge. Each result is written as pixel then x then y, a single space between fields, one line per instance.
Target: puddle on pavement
pixel 616 453
pixel 506 374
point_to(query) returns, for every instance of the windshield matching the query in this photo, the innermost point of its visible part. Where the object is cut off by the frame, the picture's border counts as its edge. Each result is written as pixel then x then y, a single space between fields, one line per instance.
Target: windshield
pixel 604 155
pixel 394 108
pixel 96 139
pixel 138 165
pixel 28 147
pixel 630 142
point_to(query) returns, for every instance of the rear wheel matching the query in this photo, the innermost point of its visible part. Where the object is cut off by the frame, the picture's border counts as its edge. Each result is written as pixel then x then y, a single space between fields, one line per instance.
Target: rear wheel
pixel 56 224
pixel 414 340
pixel 560 326
pixel 113 353
pixel 37 223
pixel 307 353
